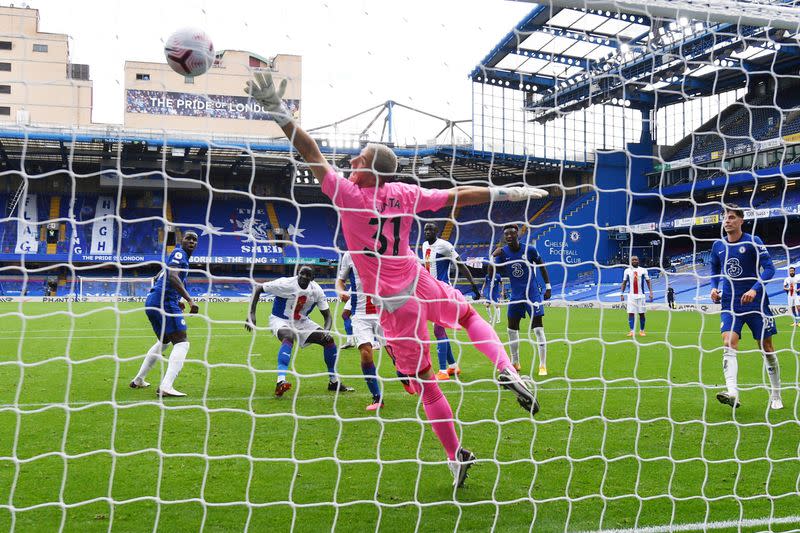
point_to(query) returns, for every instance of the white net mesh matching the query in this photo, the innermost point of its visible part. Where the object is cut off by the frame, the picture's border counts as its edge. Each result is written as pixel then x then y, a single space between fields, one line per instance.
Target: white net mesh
pixel 641 122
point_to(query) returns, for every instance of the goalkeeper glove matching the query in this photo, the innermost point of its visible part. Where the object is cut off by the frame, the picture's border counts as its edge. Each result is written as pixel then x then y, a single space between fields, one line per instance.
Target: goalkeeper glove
pixel 262 90
pixel 516 194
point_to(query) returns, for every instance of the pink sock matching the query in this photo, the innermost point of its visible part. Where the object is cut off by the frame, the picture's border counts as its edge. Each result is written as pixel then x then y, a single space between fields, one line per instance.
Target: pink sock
pixel 485 339
pixel 438 411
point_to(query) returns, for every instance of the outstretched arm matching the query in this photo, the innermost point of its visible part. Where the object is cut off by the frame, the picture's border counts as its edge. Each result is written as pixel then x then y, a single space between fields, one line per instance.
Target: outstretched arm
pixel 263 90
pixel 472 195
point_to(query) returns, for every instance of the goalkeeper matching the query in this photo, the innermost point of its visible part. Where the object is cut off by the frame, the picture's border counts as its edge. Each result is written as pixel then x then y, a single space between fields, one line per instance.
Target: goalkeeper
pixel 376 215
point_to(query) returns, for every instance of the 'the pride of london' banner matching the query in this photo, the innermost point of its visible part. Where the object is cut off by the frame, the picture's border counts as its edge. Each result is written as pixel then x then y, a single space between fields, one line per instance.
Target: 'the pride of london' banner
pixel 200 105
pixel 27 229
pixel 103 227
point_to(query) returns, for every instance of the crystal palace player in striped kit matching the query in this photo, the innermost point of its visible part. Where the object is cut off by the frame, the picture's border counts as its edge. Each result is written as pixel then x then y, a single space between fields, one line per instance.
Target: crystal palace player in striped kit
pixel 790 285
pixel 165 311
pixel 519 263
pixel 437 257
pixel 366 326
pixel 740 264
pixel 295 298
pixel 633 277
pixel 376 214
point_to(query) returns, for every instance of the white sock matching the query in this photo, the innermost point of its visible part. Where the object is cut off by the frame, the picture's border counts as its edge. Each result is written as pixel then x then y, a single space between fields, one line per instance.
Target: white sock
pixel 513 345
pixel 176 359
pixel 497 315
pixel 152 357
pixel 541 343
pixel 730 367
pixel 774 372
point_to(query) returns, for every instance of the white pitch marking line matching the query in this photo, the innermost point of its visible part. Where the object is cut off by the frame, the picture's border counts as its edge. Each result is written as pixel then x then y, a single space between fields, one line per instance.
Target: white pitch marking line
pixel 466 390
pixel 704 526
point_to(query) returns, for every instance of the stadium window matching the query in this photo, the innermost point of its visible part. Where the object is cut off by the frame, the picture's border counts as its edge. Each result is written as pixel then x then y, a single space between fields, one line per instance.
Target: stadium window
pixel 5 110
pixel 6 67
pixel 5 89
pixel 142 77
pixel 188 80
pixel 40 48
pixel 5 45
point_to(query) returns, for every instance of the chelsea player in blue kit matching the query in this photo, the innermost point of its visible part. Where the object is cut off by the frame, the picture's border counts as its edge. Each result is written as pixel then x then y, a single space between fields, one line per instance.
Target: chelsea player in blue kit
pixel 740 264
pixel 165 312
pixel 519 262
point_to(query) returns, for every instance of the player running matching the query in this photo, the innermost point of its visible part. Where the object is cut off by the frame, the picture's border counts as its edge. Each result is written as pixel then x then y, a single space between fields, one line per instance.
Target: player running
pixel 633 277
pixel 165 311
pixel 376 216
pixel 366 326
pixel 492 292
pixel 437 256
pixel 295 298
pixel 790 286
pixel 517 262
pixel 740 264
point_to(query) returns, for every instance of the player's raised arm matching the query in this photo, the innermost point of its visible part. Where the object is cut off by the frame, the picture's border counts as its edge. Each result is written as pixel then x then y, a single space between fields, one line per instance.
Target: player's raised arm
pixel 472 195
pixel 262 89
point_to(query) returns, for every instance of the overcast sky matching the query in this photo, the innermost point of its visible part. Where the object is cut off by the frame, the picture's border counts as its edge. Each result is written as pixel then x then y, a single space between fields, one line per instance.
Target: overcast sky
pixel 356 53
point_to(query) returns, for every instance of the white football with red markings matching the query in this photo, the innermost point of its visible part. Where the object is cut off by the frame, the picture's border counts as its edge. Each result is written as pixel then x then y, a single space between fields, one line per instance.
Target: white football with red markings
pixel 189 52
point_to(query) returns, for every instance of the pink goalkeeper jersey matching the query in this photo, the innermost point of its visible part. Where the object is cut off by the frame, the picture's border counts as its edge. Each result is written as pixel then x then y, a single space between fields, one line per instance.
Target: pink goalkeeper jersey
pixel 376 223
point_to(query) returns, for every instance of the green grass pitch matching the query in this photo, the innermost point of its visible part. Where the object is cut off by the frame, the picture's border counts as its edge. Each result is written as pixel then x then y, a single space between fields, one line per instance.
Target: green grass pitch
pixel 614 445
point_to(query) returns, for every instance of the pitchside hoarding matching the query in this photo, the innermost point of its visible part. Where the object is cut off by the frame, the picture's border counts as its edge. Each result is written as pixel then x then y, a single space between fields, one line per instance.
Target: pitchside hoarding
pixel 199 105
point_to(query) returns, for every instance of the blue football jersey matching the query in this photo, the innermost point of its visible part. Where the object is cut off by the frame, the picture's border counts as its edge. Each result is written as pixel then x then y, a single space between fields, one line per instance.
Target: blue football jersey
pixel 178 259
pixel 737 267
pixel 520 268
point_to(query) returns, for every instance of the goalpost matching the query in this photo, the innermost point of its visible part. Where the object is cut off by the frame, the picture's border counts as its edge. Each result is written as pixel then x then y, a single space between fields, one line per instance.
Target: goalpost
pixel 641 140
pixel 96 288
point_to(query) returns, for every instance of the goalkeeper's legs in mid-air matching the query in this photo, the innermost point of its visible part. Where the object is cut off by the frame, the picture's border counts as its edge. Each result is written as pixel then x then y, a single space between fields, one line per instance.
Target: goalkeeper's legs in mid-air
pixel 762 324
pixel 405 322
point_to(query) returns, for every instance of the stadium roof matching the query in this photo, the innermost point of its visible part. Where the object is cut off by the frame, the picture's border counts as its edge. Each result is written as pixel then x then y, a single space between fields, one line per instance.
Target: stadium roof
pixel 191 156
pixel 567 59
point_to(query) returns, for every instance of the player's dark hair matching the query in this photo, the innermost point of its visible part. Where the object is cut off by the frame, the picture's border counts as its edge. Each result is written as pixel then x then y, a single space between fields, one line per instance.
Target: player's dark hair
pixel 510 226
pixel 192 232
pixel 735 209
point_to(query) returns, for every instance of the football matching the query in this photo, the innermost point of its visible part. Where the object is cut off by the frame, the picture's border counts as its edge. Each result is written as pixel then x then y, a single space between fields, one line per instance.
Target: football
pixel 189 52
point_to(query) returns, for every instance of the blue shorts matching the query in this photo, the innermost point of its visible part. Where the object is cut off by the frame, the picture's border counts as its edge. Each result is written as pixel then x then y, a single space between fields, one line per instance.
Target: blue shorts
pixel 520 309
pixel 761 322
pixel 164 321
pixel 494 296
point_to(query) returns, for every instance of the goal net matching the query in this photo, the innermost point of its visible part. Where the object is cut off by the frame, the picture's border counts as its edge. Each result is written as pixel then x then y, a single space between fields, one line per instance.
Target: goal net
pixel 121 287
pixel 641 121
